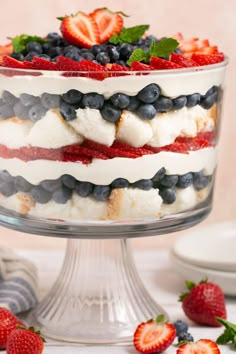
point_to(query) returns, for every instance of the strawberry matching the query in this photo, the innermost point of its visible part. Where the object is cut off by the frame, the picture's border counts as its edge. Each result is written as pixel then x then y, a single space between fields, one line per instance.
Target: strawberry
pixel 203 346
pixel 8 322
pixel 154 336
pixel 162 64
pixel 108 23
pixel 116 70
pixel 25 341
pixel 43 64
pixel 80 29
pixel 203 303
pixel 6 49
pixel 182 60
pixel 12 62
pixel 137 66
pixel 207 59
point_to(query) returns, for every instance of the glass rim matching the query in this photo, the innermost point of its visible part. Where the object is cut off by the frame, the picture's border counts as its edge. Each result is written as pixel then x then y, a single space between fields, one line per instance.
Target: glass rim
pixel 111 74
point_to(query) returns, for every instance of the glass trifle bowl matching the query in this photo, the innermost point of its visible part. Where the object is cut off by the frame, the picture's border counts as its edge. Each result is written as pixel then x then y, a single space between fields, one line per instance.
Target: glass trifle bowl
pixel 103 157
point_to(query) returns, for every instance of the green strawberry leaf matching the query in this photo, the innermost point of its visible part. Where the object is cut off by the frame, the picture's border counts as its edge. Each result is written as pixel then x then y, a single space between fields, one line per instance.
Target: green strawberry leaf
pixel 160 318
pixel 19 42
pixel 129 35
pixel 137 55
pixel 163 48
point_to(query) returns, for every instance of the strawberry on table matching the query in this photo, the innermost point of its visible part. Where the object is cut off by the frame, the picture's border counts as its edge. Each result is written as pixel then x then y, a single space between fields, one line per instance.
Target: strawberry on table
pixel 203 346
pixel 108 23
pixel 154 336
pixel 203 303
pixel 8 322
pixel 80 29
pixel 25 341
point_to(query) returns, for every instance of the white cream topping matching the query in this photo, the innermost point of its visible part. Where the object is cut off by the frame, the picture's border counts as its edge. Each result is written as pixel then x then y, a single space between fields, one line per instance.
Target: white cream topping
pixel 105 171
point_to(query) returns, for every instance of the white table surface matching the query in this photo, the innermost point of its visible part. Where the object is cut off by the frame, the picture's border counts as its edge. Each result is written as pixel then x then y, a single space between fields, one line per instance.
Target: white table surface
pixel 160 278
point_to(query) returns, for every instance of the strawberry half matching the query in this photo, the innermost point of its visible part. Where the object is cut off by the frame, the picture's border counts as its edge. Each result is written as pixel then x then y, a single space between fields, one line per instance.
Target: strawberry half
pixel 137 66
pixel 80 29
pixel 203 346
pixel 182 60
pixel 162 64
pixel 154 336
pixel 43 64
pixel 108 23
pixel 207 59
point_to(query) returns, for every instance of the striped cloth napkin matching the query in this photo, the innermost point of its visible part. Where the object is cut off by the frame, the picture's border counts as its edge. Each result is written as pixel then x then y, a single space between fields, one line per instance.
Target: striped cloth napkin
pixel 18 282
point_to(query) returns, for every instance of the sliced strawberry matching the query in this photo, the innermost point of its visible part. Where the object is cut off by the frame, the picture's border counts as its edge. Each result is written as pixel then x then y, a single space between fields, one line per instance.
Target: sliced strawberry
pixel 80 29
pixel 10 62
pixel 81 150
pixel 203 346
pixel 137 66
pixel 178 36
pixel 43 64
pixel 162 64
pixel 213 49
pixel 154 336
pixel 110 151
pixel 6 49
pixel 139 151
pixel 108 23
pixel 116 70
pixel 207 59
pixel 182 60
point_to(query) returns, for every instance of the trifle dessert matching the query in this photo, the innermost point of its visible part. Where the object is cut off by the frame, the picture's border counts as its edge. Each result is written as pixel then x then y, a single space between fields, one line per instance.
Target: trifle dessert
pixel 106 123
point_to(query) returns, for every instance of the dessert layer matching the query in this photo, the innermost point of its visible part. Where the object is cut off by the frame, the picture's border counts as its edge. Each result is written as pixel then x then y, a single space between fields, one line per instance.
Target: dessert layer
pixel 105 171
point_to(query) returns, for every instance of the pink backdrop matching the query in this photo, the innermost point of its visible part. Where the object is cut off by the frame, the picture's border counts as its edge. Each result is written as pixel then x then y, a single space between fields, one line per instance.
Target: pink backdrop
pixel 212 19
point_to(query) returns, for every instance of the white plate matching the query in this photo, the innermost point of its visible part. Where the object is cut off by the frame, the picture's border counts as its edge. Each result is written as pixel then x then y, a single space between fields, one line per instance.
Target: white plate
pixel 226 280
pixel 212 247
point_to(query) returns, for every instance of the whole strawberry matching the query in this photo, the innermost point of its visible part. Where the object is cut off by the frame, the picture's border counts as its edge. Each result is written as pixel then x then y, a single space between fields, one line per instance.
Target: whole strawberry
pixel 203 346
pixel 8 322
pixel 25 341
pixel 203 303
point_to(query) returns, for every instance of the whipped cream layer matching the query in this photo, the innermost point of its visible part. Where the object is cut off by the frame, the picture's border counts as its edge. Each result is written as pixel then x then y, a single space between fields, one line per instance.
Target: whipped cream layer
pixel 172 84
pixel 103 172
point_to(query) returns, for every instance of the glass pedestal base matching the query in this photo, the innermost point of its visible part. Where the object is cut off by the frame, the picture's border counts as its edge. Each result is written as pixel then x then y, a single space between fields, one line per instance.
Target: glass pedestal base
pixel 98 296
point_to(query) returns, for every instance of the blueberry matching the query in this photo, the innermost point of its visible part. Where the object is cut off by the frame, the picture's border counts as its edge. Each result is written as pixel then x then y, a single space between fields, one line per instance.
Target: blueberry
pixel 180 327
pixel 113 53
pixel 34 47
pixel 88 55
pixel 67 111
pixel 62 195
pixel 93 100
pixel 18 56
pixel 159 175
pixel 69 181
pixel 168 195
pixel 179 102
pixel 84 189
pixel 163 104
pixel 29 100
pixel 185 180
pixel 103 58
pixel 30 56
pixel 110 113
pixel 101 193
pixel 120 183
pixel 6 111
pixel 51 185
pixel 213 89
pixel 36 112
pixel 22 185
pixel 40 195
pixel 53 36
pixel 72 96
pixel 50 100
pixel 71 48
pixel 149 93
pixel 54 51
pixel 6 177
pixel 208 101
pixel 133 104
pixel 120 100
pixel 45 57
pixel 21 111
pixel 7 189
pixel 144 184
pixel 146 111
pixel 200 181
pixel 9 98
pixel 125 51
pixel 96 49
pixel 169 181
pixel 193 100
pixel 184 336
pixel 121 62
pixel 74 55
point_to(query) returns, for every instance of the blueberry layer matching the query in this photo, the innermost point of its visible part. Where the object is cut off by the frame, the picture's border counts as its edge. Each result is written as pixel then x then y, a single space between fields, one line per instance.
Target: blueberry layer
pixel 61 189
pixel 146 104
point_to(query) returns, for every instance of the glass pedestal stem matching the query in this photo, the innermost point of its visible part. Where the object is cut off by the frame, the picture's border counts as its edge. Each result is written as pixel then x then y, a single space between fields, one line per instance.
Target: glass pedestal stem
pixel 98 296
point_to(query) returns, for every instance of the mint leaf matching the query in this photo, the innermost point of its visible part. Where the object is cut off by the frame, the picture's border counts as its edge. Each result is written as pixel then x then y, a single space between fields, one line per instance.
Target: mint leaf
pixel 163 48
pixel 137 55
pixel 226 337
pixel 129 35
pixel 229 334
pixel 227 324
pixel 19 42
